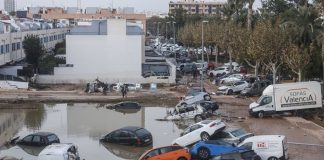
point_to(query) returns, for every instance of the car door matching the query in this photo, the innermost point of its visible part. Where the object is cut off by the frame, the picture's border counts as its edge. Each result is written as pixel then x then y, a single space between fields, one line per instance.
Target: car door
pixel 167 153
pixel 115 137
pixel 27 140
pixel 36 140
pixel 195 132
pixel 267 102
pixel 124 137
pixel 152 155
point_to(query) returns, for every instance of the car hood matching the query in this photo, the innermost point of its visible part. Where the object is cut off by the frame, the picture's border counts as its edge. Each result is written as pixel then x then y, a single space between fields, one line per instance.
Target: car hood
pixel 253 105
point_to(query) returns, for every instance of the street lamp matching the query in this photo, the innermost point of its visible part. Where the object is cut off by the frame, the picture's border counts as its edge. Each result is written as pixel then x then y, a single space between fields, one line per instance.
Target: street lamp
pixel 166 30
pixel 202 56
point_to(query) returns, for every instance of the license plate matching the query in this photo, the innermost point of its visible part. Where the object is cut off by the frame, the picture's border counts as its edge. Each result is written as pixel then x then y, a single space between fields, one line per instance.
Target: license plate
pixel 146 140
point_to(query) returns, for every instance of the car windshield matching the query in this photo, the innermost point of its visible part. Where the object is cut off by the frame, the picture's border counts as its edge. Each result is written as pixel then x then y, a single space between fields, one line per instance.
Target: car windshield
pixel 259 100
pixel 141 132
pixel 238 132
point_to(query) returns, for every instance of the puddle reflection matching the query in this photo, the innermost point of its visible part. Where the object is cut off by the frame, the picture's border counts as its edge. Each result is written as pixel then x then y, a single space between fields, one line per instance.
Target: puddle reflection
pixel 84 124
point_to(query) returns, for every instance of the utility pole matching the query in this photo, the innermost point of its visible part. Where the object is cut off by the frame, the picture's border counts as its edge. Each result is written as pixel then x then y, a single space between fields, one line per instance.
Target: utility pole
pixel 174 41
pixel 202 56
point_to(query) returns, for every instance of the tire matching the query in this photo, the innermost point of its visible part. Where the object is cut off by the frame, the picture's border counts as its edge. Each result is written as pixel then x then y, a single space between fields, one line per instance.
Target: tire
pixel 182 158
pixel 207 98
pixel 198 118
pixel 203 153
pixel 273 158
pixel 230 92
pixel 211 74
pixel 210 111
pixel 204 136
pixel 261 115
pixel 183 104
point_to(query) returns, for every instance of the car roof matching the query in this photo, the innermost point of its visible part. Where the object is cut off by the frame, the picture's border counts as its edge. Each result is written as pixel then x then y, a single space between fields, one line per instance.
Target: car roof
pixel 131 128
pixel 56 149
pixel 265 138
pixel 42 134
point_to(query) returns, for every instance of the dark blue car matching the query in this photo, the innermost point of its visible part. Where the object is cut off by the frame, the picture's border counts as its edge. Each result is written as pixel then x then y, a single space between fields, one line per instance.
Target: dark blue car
pixel 206 149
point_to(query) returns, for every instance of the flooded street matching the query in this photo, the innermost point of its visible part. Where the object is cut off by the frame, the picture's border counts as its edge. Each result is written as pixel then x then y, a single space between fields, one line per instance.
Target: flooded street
pixel 71 123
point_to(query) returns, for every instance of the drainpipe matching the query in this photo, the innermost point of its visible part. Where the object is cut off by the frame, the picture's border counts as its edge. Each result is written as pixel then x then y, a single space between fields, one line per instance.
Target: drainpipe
pixel 99 27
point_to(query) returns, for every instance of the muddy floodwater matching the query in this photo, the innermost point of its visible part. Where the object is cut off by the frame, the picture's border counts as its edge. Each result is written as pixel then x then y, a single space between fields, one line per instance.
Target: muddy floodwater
pixel 84 125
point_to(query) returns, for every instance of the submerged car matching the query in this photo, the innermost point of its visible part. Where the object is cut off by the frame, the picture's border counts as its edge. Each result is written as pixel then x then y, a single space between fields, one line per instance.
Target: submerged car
pixel 129 136
pixel 39 139
pixel 174 152
pixel 232 135
pixel 238 155
pixel 200 131
pixel 207 149
pixel 59 152
pixel 124 105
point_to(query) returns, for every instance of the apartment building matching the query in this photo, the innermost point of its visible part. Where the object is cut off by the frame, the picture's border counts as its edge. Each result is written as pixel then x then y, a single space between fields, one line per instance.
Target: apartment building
pixel 9 5
pixel 197 7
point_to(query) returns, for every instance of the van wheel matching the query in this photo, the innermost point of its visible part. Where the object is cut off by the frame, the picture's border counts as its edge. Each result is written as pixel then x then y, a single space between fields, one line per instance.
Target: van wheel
pixel 198 118
pixel 261 114
pixel 204 136
pixel 273 158
pixel 203 153
pixel 207 98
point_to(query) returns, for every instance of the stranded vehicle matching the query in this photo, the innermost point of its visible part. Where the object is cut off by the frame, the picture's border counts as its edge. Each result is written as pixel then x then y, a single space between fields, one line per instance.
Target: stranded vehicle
pixel 287 97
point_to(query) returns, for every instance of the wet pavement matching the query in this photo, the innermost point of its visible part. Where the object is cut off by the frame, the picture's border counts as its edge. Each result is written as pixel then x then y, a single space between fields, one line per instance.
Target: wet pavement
pixel 84 125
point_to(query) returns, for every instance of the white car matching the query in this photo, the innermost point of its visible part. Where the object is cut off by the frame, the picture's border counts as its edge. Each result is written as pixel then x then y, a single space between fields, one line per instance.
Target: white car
pixel 195 97
pixel 184 112
pixel 218 71
pixel 201 66
pixel 232 78
pixel 199 131
pixel 233 135
pixel 236 66
pixel 233 87
pixel 60 151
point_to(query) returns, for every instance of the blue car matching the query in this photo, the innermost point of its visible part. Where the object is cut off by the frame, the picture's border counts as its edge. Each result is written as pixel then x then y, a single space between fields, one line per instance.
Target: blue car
pixel 206 149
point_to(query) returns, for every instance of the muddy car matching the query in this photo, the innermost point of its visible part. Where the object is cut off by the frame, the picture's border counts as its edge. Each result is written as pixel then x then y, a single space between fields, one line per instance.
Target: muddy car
pixel 232 135
pixel 181 112
pixel 256 88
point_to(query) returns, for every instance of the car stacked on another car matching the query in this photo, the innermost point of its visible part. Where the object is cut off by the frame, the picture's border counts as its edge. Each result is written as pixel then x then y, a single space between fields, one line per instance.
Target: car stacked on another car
pixel 173 152
pixel 232 135
pixel 199 131
pixel 130 136
pixel 194 97
pixel 238 155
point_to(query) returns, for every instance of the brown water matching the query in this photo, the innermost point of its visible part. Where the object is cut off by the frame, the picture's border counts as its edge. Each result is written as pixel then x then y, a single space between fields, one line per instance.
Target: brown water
pixel 83 125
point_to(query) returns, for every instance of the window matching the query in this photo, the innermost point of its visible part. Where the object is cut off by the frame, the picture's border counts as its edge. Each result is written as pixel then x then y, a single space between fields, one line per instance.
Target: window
pixel 124 134
pixel 28 139
pixel 166 150
pixel 13 46
pixel 18 45
pixel 224 135
pixel 266 100
pixel 152 153
pixel 52 138
pixel 37 139
pixel 116 134
pixel 2 49
pixel 247 146
pixel 7 48
pixel 195 127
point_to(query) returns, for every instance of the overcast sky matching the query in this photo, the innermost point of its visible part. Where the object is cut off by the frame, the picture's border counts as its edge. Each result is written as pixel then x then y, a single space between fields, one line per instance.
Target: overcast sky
pixel 139 5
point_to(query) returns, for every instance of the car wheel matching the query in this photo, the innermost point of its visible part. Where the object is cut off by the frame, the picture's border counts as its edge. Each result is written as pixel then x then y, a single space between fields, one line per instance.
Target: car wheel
pixel 203 153
pixel 204 136
pixel 210 111
pixel 261 114
pixel 182 158
pixel 273 158
pixel 198 118
pixel 230 92
pixel 211 74
pixel 256 158
pixel 183 104
pixel 207 98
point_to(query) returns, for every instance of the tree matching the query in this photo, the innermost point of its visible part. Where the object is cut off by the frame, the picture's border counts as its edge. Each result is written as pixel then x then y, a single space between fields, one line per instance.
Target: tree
pixel 268 41
pixel 34 50
pixel 297 59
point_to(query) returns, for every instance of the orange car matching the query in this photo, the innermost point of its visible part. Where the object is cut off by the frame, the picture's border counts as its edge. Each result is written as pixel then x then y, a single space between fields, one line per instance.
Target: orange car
pixel 174 152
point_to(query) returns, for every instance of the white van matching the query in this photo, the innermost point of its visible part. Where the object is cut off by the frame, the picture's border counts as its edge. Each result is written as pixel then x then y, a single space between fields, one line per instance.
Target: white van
pixel 287 97
pixel 268 147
